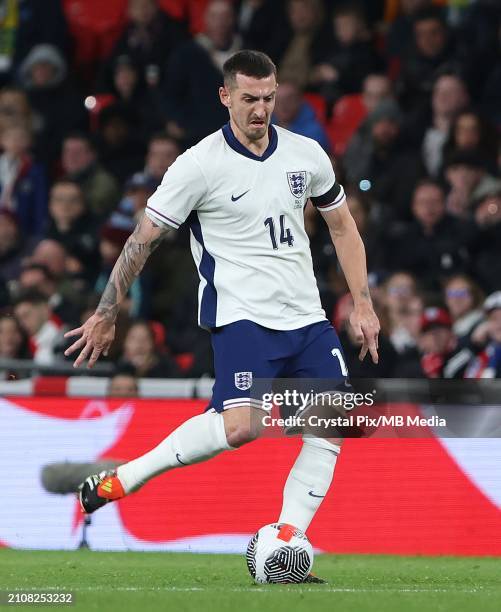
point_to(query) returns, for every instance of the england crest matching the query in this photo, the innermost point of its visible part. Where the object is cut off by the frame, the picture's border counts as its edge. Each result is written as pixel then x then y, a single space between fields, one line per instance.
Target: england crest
pixel 243 380
pixel 297 183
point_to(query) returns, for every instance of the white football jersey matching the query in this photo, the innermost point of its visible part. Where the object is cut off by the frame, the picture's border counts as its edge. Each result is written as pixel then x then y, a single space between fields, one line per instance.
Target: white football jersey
pixel 246 215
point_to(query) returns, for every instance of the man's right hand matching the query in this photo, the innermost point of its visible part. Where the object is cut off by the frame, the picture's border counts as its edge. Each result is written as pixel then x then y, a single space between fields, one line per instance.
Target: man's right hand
pixel 96 336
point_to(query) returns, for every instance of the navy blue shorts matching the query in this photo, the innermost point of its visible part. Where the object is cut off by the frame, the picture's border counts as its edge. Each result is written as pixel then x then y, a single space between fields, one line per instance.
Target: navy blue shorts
pixel 245 351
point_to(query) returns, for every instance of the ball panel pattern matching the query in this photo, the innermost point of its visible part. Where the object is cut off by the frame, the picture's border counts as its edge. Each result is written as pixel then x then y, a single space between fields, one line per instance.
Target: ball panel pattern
pixel 286 565
pixel 250 555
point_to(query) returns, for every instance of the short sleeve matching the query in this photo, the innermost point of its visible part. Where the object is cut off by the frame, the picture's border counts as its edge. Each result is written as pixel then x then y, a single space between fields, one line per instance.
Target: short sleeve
pixel 326 192
pixel 181 190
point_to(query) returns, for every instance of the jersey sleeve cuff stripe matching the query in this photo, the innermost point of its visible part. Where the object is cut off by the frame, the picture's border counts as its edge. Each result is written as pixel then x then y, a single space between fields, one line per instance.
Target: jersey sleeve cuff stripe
pixel 156 213
pixel 329 197
pixel 242 402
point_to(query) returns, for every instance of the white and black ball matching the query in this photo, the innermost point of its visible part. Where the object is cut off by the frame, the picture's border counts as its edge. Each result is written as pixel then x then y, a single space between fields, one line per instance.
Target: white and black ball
pixel 279 553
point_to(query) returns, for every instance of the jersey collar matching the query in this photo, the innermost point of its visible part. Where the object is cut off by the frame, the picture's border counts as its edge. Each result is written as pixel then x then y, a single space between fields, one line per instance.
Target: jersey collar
pixel 237 146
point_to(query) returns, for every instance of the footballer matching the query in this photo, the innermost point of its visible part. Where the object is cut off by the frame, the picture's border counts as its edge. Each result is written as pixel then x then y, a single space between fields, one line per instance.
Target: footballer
pixel 243 190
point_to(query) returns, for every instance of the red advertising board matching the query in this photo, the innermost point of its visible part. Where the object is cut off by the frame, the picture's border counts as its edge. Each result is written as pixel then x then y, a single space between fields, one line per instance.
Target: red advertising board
pixel 403 496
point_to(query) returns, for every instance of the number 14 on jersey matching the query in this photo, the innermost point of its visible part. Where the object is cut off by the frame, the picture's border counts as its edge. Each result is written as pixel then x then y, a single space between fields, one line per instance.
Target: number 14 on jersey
pixel 286 236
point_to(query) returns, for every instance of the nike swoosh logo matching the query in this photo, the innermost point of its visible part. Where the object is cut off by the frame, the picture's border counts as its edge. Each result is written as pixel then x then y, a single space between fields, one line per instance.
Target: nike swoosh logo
pixel 178 458
pixel 311 494
pixel 234 199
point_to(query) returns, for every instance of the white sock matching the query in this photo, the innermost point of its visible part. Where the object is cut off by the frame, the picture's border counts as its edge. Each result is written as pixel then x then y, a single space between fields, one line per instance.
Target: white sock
pixel 197 439
pixel 308 482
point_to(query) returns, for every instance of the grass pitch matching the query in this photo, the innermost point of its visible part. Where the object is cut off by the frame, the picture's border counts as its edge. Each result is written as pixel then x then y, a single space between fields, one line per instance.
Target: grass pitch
pixel 188 582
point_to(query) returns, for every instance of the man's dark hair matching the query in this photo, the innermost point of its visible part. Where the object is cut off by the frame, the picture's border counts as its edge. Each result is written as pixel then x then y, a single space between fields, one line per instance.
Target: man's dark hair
pixel 39 268
pixel 30 296
pixel 430 13
pixel 67 181
pixel 89 140
pixel 428 181
pixel 157 136
pixel 250 63
pixel 352 9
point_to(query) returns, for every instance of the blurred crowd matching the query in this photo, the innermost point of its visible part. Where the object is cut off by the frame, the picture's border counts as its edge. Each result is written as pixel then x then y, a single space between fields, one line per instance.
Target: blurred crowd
pixel 405 95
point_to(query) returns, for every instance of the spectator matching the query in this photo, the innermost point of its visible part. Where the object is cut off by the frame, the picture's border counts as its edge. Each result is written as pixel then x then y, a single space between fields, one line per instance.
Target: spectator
pixel 141 353
pixel 405 340
pixel 14 246
pixel 431 52
pixel 13 340
pixel 23 183
pixel 305 42
pixel 44 331
pixel 405 335
pixel 486 250
pixel 51 254
pixel 378 156
pixel 375 89
pixel 72 225
pixel 464 300
pixel 13 345
pixel 259 21
pixel 399 291
pixel 80 164
pixel 15 109
pixel 121 144
pixel 127 85
pixel 435 244
pixel 401 30
pixel 487 364
pixel 163 150
pixel 195 73
pixel 470 132
pixel 149 38
pixel 67 270
pixel 345 64
pixel 138 189
pixel 40 22
pixel 429 128
pixel 57 102
pixel 467 176
pixel 34 276
pixel 293 113
pixel 123 384
pixel 441 356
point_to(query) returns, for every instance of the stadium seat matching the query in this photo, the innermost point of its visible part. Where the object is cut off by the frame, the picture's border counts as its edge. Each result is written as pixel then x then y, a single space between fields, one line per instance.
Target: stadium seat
pixel 317 102
pixel 348 113
pixel 179 9
pixel 159 334
pixel 184 361
pixel 95 26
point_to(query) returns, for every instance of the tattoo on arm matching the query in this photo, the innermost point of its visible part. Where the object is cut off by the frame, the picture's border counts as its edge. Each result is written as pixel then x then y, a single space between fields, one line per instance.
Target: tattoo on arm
pixel 139 246
pixel 365 293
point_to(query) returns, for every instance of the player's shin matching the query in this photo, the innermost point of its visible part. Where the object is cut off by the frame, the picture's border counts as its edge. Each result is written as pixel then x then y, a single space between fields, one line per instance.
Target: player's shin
pixel 308 481
pixel 196 440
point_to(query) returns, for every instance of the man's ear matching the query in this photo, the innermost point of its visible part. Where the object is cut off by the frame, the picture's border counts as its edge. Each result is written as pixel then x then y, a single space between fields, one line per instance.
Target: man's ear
pixel 224 96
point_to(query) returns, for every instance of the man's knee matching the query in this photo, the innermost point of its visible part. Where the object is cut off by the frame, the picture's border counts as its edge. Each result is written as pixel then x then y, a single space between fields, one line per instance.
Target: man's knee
pixel 335 441
pixel 242 425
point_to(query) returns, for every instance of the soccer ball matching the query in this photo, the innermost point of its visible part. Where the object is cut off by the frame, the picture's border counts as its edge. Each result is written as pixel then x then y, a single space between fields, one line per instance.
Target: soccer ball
pixel 279 553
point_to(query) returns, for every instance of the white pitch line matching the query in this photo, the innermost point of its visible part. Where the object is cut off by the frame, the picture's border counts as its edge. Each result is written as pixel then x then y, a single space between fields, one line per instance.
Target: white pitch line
pixel 256 589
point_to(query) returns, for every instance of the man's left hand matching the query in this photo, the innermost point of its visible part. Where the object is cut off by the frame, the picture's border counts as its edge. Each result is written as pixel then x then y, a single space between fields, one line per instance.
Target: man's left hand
pixel 365 325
